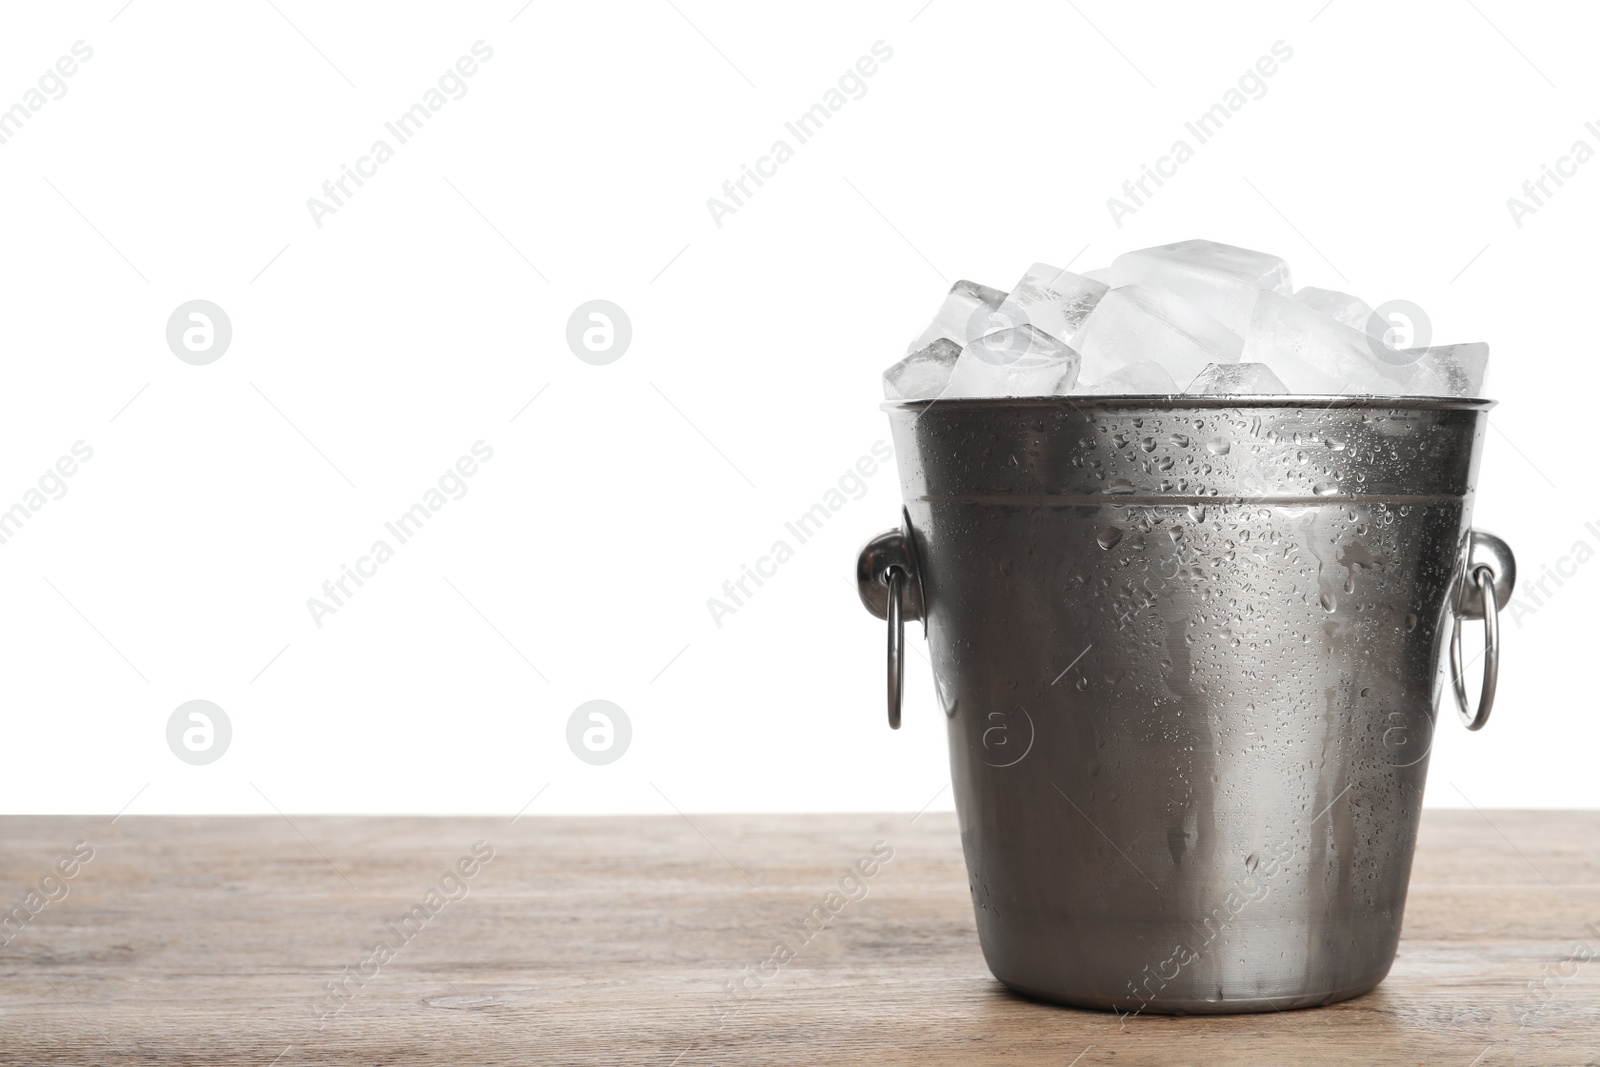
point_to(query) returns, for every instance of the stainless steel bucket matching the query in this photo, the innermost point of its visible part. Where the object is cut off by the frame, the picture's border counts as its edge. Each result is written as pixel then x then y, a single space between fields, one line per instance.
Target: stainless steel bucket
pixel 1190 651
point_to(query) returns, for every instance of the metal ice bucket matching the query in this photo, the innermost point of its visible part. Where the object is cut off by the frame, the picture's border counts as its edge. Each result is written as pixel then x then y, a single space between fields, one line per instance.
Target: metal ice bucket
pixel 1190 650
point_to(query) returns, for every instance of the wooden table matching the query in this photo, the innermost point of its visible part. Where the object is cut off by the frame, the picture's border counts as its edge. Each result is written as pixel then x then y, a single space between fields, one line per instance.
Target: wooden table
pixel 617 940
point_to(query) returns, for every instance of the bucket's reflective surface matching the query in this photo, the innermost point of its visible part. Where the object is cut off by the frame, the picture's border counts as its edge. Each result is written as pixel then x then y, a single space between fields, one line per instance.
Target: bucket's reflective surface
pixel 1190 654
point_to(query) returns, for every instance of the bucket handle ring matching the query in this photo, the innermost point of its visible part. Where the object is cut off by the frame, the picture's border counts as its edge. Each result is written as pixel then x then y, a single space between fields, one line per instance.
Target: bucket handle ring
pixel 1490 575
pixel 889 581
pixel 1483 578
pixel 897 645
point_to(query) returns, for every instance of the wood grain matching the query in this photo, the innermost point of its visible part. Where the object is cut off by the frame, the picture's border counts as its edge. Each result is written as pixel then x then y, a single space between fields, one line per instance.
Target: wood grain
pixel 611 941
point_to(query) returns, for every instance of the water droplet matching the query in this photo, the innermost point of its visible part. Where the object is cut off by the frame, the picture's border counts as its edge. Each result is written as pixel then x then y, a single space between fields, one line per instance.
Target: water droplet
pixel 1148 444
pixel 1181 440
pixel 1325 488
pixel 1329 602
pixel 1109 537
pixel 1250 861
pixel 1219 446
pixel 1119 486
pixel 1411 621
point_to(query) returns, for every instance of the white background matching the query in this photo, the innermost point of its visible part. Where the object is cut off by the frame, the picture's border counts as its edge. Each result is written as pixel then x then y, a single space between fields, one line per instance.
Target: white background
pixel 424 315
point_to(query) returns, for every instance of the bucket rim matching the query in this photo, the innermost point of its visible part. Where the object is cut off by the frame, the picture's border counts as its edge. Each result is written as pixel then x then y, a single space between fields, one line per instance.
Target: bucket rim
pixel 1206 402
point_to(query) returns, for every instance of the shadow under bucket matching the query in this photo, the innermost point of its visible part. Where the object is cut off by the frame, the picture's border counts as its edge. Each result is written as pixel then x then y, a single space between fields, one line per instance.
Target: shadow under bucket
pixel 1191 651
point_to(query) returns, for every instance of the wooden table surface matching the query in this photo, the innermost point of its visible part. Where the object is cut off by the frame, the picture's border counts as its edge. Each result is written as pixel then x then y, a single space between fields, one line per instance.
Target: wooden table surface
pixel 616 940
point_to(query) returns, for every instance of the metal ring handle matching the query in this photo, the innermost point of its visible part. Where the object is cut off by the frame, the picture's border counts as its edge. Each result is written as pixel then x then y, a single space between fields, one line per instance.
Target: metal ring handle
pixel 1482 577
pixel 896 580
pixel 889 581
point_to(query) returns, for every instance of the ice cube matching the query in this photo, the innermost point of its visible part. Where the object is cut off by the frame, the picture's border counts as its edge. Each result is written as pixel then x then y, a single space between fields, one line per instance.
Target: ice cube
pixel 966 315
pixel 1353 311
pixel 1051 299
pixel 1021 361
pixel 1397 377
pixel 1133 324
pixel 922 374
pixel 1313 354
pixel 1460 369
pixel 1236 378
pixel 1221 279
pixel 1146 377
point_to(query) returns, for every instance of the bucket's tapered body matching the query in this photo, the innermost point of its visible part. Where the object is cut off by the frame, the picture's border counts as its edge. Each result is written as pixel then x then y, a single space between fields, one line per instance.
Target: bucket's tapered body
pixel 1190 654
